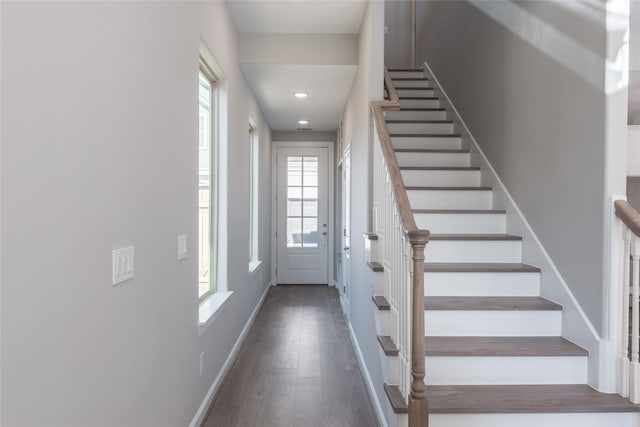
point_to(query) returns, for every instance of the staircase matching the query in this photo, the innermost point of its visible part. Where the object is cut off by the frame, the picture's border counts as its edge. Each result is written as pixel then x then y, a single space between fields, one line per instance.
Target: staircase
pixel 493 347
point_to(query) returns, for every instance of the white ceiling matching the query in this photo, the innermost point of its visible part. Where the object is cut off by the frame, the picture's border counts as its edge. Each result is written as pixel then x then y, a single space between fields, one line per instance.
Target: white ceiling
pixel 274 82
pixel 298 16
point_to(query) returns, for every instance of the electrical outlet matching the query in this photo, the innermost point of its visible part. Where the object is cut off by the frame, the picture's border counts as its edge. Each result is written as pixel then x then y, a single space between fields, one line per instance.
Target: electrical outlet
pixel 201 363
pixel 122 265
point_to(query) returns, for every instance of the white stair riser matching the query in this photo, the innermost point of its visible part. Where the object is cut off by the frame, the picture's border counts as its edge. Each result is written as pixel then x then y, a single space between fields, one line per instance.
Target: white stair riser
pixel 415 115
pixel 450 199
pixel 411 93
pixel 481 284
pixel 461 370
pixel 419 103
pixel 430 142
pixel 610 419
pixel 411 83
pixel 406 74
pixel 430 128
pixel 467 223
pixel 474 251
pixel 490 323
pixel 433 159
pixel 383 322
pixel 463 178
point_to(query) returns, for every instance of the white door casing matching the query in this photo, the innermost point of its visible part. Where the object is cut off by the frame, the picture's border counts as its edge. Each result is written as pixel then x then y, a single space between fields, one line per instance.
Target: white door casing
pixel 302 215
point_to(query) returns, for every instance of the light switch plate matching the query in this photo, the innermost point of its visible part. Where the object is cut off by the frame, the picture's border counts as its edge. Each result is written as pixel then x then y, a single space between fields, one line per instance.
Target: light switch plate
pixel 122 260
pixel 182 246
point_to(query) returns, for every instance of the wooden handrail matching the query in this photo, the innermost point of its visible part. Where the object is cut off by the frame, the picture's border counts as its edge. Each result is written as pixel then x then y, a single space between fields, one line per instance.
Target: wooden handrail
pixel 404 207
pixel 418 404
pixel 629 215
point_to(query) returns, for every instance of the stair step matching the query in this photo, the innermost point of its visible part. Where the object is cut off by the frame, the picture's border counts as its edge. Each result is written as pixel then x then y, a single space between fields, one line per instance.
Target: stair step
pixel 450 197
pixel 406 74
pixel 381 302
pixel 417 114
pixel 460 220
pixel 498 284
pixel 523 399
pixel 441 176
pixel 415 93
pixel 432 141
pixel 411 83
pixel 395 399
pixel 388 346
pixel 423 102
pixel 490 303
pixel 419 128
pixel 501 346
pixel 474 248
pixel 492 316
pixel 481 267
pixel 433 157
pixel 375 266
pixel 505 360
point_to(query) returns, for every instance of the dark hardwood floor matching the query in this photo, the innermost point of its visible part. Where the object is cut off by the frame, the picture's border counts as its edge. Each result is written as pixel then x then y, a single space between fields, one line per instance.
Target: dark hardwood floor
pixel 296 368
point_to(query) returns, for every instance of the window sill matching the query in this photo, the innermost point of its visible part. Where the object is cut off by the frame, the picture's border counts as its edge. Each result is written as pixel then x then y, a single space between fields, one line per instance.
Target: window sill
pixel 210 308
pixel 253 267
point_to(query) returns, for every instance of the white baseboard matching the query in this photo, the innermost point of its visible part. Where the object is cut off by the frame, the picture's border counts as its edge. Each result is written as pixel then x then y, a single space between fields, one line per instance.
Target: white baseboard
pixel 371 390
pixel 201 413
pixel 576 326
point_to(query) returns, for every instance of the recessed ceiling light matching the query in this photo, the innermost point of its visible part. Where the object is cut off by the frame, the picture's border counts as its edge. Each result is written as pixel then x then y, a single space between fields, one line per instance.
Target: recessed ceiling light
pixel 303 122
pixel 301 94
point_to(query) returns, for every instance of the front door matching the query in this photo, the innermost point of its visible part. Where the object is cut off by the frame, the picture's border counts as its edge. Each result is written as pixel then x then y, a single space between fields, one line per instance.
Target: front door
pixel 302 215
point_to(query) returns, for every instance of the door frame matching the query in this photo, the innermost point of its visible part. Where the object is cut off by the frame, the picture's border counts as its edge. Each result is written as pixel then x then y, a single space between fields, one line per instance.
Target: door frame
pixel 330 146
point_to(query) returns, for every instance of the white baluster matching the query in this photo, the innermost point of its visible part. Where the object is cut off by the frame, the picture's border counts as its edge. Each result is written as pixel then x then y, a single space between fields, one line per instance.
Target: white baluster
pixel 623 360
pixel 634 371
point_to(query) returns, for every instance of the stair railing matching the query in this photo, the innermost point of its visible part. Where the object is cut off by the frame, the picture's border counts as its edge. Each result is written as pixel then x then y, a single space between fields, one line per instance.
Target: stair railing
pixel 628 369
pixel 401 251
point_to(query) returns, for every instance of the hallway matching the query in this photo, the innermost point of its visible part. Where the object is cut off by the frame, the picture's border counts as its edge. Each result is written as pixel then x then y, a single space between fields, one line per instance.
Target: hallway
pixel 296 368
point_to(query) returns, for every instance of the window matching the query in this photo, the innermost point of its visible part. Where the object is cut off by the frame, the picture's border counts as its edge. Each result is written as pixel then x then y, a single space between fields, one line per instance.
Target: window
pixel 254 195
pixel 302 202
pixel 206 183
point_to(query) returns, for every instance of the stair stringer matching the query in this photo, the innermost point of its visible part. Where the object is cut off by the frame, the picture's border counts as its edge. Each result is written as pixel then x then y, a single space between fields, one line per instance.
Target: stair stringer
pixel 576 326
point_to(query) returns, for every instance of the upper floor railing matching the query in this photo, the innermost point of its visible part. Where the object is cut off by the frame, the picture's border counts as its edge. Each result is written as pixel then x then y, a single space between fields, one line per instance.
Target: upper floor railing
pixel 401 252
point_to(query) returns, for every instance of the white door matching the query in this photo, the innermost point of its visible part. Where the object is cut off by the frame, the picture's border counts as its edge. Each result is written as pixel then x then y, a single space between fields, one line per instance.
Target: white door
pixel 302 215
pixel 346 226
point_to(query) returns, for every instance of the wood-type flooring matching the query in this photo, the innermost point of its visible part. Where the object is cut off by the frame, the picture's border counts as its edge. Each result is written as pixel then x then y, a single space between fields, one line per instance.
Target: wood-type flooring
pixel 297 367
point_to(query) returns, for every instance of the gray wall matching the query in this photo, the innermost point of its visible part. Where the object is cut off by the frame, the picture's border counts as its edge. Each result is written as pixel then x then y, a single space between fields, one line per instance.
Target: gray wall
pixel 538 116
pixel 99 151
pixel 634 63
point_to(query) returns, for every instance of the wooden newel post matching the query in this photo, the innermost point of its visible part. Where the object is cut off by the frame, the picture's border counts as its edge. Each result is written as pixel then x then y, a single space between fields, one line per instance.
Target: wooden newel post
pixel 418 405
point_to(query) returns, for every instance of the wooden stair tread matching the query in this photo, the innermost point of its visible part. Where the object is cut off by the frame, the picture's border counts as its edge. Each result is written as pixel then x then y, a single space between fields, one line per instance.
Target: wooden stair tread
pixel 396 399
pixel 449 188
pixel 502 346
pixel 519 399
pixel 490 303
pixel 388 346
pixel 460 211
pixel 400 121
pixel 404 69
pixel 413 87
pixel 409 78
pixel 440 168
pixel 424 98
pixel 432 150
pixel 423 135
pixel 375 266
pixel 370 236
pixel 479 267
pixel 421 109
pixel 381 302
pixel 474 237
